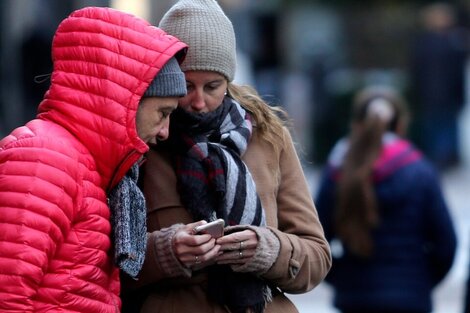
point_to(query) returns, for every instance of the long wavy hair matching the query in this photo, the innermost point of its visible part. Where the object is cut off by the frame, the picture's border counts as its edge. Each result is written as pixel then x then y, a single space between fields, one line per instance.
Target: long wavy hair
pixel 268 120
pixel 375 111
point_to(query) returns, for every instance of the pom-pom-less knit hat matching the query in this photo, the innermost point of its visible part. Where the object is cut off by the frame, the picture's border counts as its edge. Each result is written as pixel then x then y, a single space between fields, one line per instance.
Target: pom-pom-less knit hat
pixel 208 32
pixel 169 82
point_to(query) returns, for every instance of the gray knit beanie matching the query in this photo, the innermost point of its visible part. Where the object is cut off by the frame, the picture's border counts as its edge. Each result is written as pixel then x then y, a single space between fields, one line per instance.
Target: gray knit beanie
pixel 169 82
pixel 208 32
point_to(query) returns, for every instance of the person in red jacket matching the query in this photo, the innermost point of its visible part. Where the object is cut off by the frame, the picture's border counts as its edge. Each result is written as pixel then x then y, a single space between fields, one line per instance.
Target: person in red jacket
pixel 70 217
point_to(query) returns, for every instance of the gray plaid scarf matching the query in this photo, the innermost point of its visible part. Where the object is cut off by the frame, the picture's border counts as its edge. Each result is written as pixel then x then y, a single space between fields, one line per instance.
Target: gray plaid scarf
pixel 128 221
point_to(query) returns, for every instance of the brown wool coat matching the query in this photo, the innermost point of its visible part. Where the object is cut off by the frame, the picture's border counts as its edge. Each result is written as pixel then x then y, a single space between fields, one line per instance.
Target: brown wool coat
pixel 304 257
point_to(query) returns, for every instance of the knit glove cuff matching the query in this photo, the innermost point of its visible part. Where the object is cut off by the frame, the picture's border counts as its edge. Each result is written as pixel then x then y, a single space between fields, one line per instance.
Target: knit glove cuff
pixel 265 255
pixel 163 250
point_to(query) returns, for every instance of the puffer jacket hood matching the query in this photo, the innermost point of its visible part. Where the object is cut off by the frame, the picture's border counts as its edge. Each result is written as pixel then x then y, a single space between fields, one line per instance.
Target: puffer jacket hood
pixel 97 83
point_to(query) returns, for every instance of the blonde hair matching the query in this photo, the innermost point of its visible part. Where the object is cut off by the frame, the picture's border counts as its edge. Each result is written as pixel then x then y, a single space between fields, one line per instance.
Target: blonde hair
pixel 375 111
pixel 268 120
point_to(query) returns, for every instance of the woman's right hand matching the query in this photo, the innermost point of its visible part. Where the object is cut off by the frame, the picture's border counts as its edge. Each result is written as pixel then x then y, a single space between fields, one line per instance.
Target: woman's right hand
pixel 194 250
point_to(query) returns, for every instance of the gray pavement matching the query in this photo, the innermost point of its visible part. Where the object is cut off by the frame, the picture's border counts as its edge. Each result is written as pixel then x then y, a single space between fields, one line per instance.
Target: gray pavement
pixel 448 296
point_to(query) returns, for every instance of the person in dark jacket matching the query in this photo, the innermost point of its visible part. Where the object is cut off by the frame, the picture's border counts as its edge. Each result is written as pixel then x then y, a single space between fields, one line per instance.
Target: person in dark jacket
pixel 384 213
pixel 438 57
pixel 466 299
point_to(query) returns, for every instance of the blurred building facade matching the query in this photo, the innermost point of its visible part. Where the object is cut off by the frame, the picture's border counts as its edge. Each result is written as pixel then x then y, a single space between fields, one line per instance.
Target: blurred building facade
pixel 308 56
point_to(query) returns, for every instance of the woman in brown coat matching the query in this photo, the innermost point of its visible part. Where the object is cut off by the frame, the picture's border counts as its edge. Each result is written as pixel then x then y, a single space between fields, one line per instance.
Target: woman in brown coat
pixel 229 156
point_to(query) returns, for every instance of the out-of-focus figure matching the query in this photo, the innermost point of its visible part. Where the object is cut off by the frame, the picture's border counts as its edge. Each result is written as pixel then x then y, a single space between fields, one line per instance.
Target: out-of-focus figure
pixel 466 299
pixel 384 213
pixel 438 57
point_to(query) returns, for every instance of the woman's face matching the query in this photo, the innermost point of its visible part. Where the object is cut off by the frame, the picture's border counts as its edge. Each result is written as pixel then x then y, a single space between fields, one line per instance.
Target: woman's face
pixel 206 91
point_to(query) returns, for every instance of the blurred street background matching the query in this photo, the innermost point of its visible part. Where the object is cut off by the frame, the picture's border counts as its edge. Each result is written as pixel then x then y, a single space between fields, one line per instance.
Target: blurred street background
pixel 308 56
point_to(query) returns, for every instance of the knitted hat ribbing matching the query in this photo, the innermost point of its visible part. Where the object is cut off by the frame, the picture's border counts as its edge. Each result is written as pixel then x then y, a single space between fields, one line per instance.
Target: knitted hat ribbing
pixel 169 82
pixel 209 33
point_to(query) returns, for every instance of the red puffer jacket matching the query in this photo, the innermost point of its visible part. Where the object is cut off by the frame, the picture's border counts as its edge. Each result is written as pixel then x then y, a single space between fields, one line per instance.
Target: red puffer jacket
pixel 55 247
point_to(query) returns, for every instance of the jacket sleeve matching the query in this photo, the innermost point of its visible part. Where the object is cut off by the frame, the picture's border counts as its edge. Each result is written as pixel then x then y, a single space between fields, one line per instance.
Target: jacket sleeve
pixel 35 212
pixel 304 258
pixel 160 260
pixel 325 201
pixel 440 231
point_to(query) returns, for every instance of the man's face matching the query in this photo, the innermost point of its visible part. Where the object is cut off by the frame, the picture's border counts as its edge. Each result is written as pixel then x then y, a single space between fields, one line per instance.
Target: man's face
pixel 153 120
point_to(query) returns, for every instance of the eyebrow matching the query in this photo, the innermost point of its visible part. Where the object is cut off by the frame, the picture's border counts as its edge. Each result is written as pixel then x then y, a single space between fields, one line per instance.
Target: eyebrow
pixel 217 80
pixel 168 107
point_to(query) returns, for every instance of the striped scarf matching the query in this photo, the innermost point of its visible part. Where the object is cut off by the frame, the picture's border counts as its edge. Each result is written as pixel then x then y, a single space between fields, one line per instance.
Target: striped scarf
pixel 214 182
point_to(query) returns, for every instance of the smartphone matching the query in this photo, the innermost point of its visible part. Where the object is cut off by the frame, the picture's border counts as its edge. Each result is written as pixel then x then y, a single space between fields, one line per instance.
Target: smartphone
pixel 214 228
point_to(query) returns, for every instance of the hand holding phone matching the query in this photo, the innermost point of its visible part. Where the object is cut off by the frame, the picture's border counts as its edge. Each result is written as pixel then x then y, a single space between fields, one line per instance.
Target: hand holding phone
pixel 214 228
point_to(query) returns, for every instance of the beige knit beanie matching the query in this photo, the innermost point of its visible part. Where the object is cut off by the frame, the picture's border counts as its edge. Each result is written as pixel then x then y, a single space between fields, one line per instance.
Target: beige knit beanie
pixel 208 32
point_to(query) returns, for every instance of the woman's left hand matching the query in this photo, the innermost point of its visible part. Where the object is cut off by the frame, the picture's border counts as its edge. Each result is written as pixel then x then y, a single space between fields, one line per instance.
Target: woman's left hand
pixel 237 247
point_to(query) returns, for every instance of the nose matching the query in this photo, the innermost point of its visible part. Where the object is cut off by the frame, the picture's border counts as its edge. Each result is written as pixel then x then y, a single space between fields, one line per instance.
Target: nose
pixel 164 132
pixel 197 100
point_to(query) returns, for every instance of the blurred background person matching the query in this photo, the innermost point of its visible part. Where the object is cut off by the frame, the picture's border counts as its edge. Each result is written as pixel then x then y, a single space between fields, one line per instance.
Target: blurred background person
pixel 383 211
pixel 438 59
pixel 35 59
pixel 466 299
